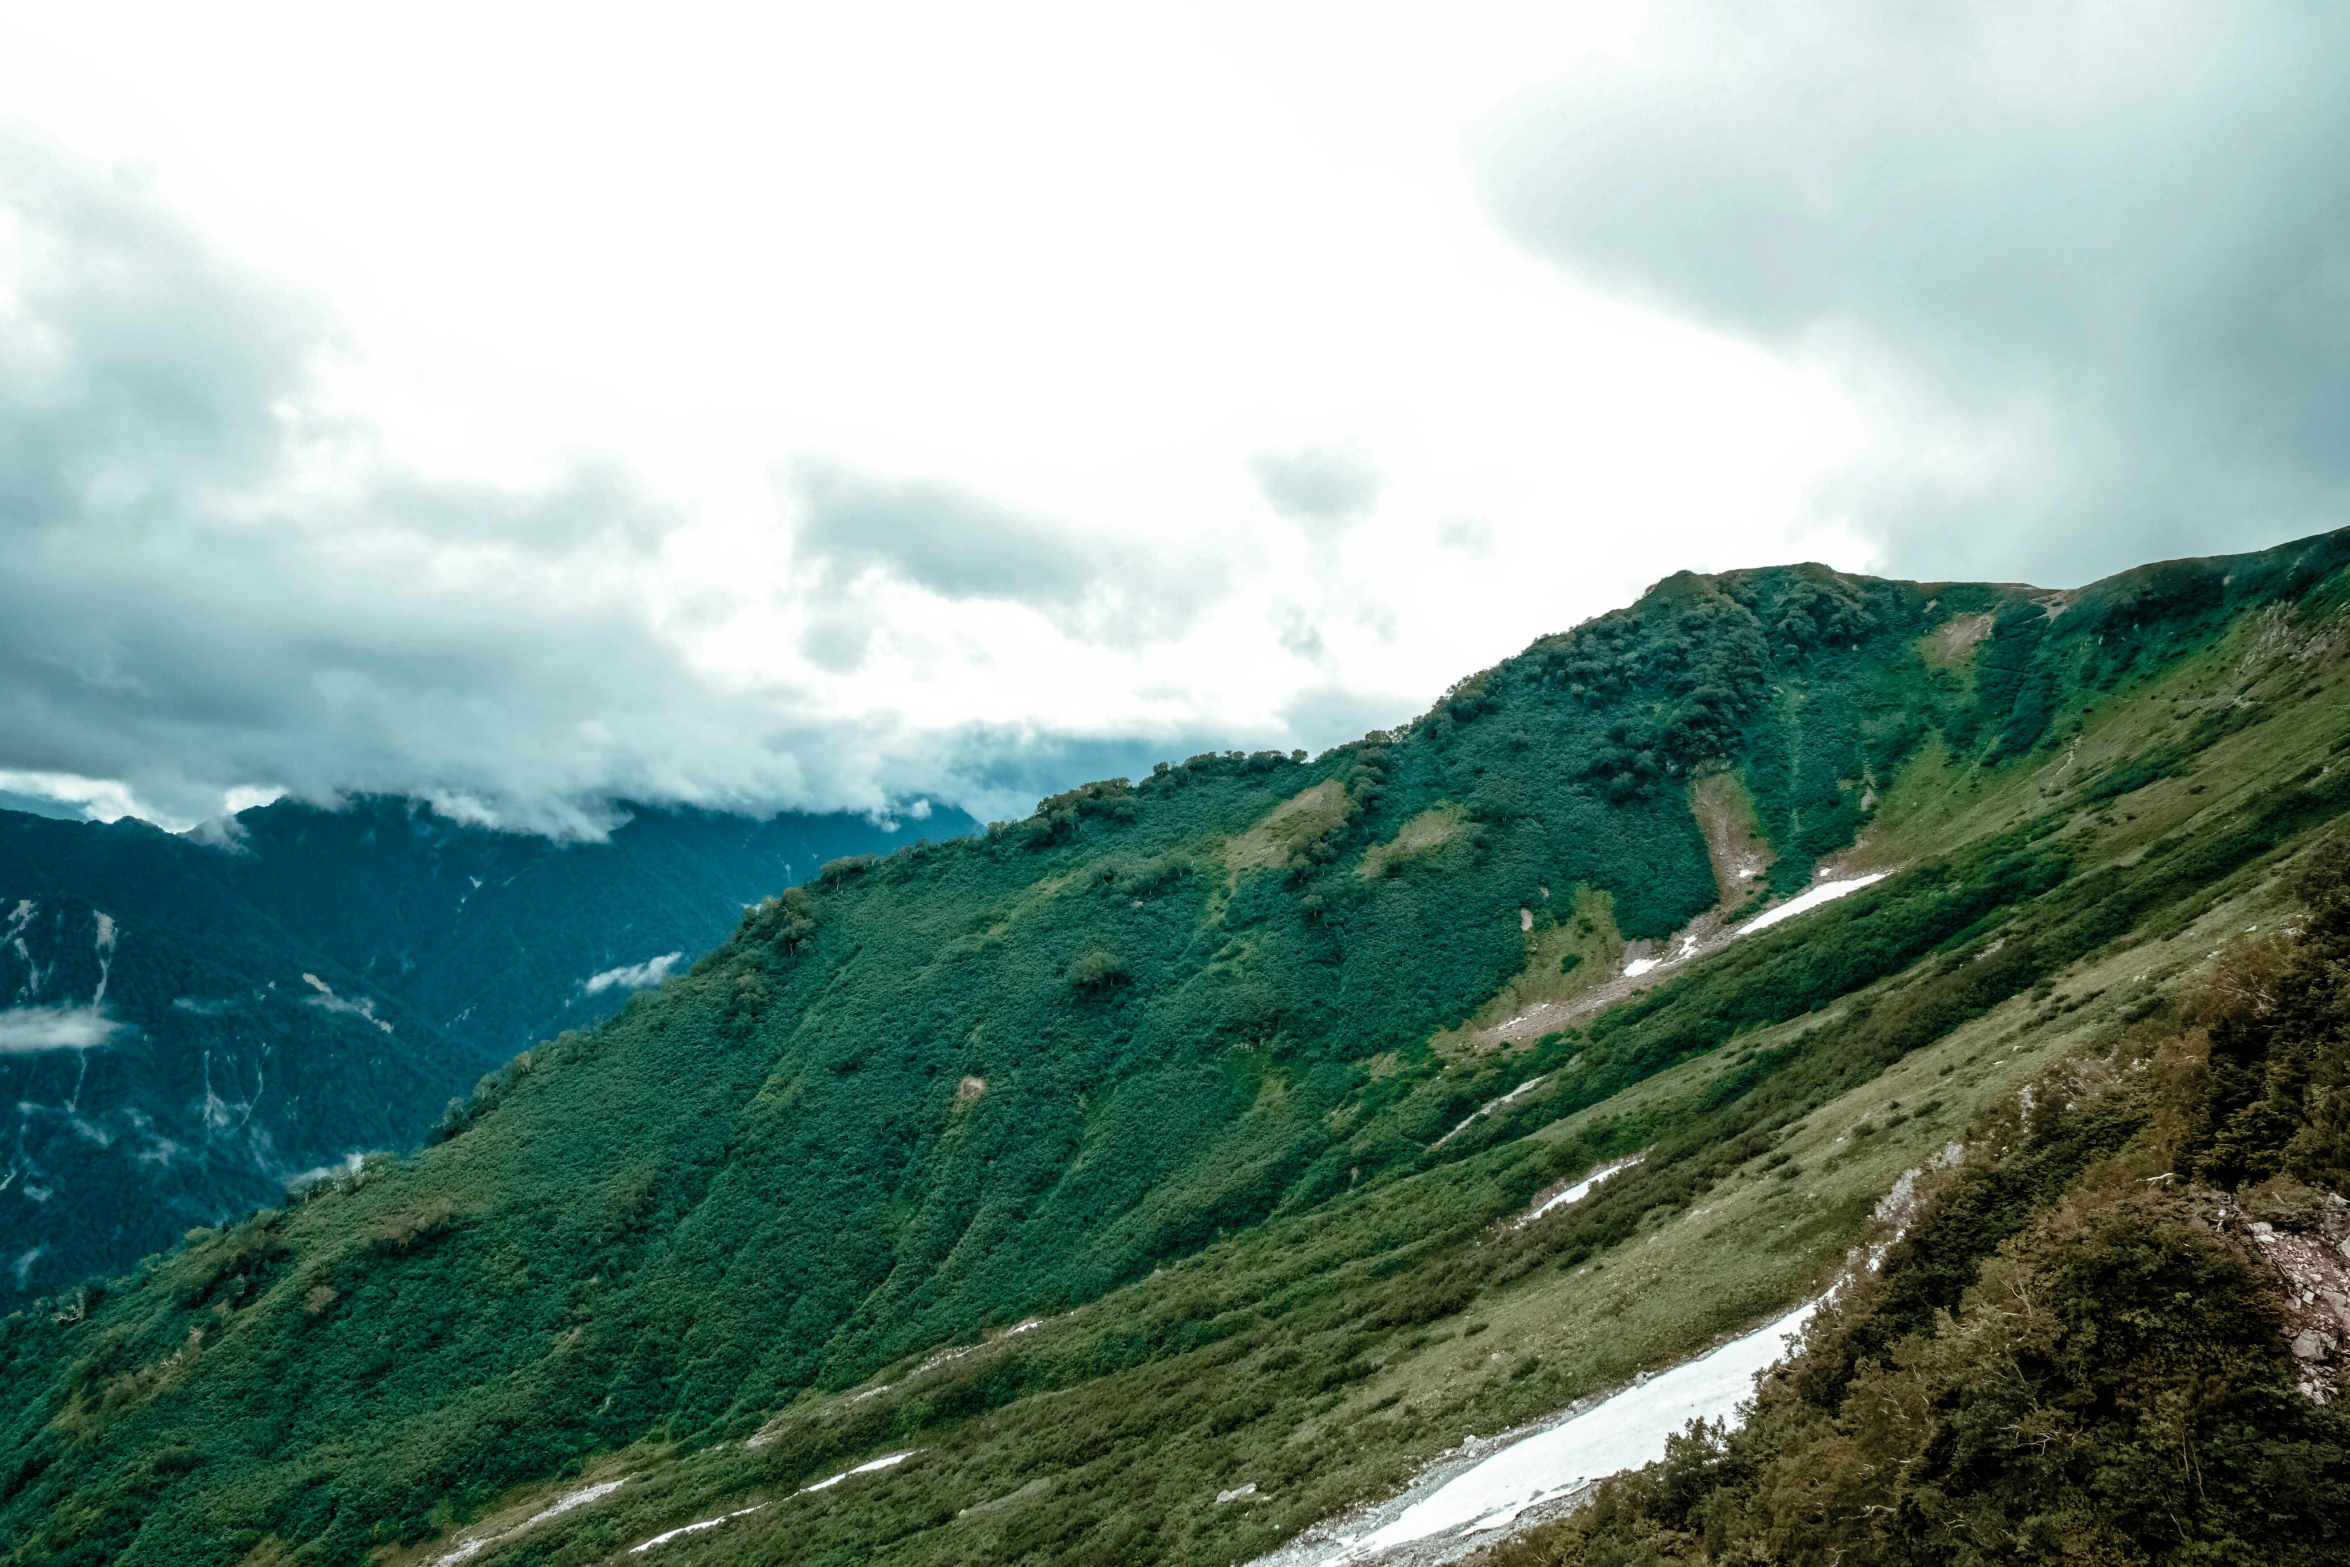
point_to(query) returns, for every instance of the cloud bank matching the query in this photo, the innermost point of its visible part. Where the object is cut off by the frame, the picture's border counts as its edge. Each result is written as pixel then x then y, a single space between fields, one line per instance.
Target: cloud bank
pixel 2090 263
pixel 1079 452
pixel 214 587
pixel 221 588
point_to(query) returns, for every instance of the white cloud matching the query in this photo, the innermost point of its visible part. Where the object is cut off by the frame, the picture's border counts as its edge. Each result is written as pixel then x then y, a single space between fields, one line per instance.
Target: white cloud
pixel 1320 488
pixel 634 976
pixel 327 1001
pixel 99 799
pixel 2089 264
pixel 25 1030
pixel 1139 380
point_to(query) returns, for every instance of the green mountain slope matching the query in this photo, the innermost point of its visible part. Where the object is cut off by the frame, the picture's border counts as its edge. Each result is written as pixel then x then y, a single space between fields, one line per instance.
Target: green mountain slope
pixel 1239 1078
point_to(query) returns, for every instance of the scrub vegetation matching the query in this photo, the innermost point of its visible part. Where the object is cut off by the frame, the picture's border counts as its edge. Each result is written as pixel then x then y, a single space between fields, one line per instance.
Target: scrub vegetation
pixel 2082 1352
pixel 1109 1162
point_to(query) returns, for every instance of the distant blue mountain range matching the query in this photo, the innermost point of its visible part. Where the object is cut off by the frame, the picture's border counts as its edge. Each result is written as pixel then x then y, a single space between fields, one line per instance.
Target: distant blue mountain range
pixel 186 1026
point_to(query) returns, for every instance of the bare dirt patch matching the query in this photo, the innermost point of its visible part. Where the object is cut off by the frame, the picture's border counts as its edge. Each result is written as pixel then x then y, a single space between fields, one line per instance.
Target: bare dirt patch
pixel 1733 836
pixel 1289 829
pixel 1953 642
pixel 1425 833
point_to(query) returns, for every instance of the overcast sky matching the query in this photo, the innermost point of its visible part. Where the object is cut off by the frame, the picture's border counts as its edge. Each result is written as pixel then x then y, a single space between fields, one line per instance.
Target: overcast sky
pixel 531 407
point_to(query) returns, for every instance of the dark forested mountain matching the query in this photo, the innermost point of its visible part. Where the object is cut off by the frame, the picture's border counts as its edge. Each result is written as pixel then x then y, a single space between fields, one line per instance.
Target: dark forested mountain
pixel 186 1025
pixel 1158 1176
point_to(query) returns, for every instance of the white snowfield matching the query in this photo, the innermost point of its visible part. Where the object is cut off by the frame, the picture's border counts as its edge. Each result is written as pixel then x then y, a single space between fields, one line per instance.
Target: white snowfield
pixel 1623 1432
pixel 1807 900
pixel 694 1528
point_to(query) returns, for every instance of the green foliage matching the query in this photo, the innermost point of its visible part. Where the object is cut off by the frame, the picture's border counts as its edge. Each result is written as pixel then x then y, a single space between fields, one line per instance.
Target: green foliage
pixel 2065 1359
pixel 2272 1086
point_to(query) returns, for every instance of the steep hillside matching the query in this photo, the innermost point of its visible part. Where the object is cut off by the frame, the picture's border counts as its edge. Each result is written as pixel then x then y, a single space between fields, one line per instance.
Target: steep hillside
pixel 2112 1331
pixel 186 1025
pixel 1186 1138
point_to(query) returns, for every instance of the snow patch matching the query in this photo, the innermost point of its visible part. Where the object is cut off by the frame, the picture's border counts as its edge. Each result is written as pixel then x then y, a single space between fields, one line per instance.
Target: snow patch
pixel 466 1550
pixel 105 945
pixel 885 1461
pixel 1640 966
pixel 694 1528
pixel 1804 903
pixel 1486 1109
pixel 579 1498
pixel 1622 1432
pixel 1581 1189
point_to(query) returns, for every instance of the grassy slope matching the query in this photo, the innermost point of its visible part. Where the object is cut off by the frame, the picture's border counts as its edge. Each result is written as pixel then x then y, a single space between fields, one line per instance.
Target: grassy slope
pixel 981 1081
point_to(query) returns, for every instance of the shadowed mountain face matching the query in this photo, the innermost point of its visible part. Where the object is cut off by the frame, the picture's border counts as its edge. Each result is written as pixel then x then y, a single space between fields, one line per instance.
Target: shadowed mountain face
pixel 184 1028
pixel 1159 1175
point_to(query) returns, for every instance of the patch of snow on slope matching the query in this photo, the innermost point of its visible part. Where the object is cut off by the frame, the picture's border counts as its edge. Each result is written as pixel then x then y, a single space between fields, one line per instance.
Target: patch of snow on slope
pixel 579 1498
pixel 1640 966
pixel 466 1550
pixel 105 945
pixel 1621 1433
pixel 1804 903
pixel 1486 1108
pixel 327 1001
pixel 1581 1189
pixel 695 1527
pixel 885 1461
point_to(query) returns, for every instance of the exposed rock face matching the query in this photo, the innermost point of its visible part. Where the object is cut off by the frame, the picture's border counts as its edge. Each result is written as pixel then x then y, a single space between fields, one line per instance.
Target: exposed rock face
pixel 2312 1270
